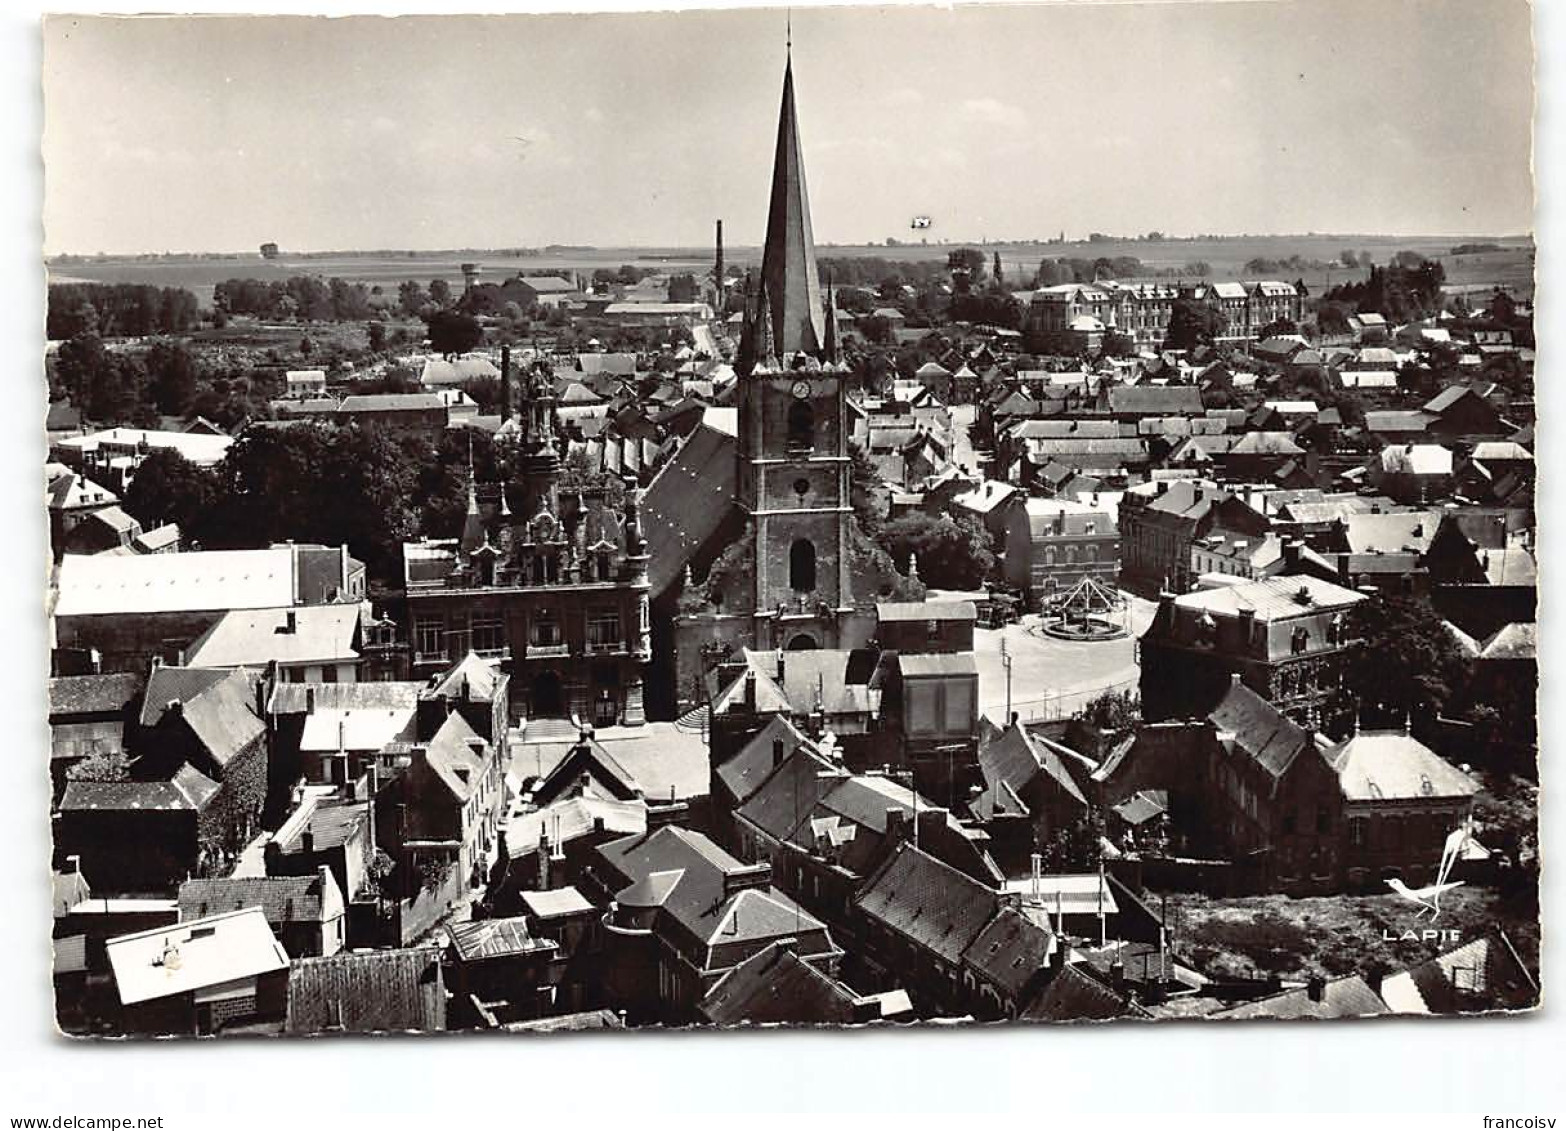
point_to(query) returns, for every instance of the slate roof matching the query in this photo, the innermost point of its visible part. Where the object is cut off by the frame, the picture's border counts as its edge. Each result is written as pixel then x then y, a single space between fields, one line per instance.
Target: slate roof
pixel 1272 598
pixel 1485 973
pixel 1248 723
pixel 108 694
pixel 369 695
pixel 1011 950
pixel 1394 766
pixel 480 939
pixel 220 712
pixel 367 992
pixel 1016 757
pixel 1341 997
pixel 1409 531
pixel 927 901
pixel 186 791
pixel 681 873
pixel 391 402
pixel 450 755
pixel 1155 400
pixel 1075 994
pixel 257 637
pixel 687 501
pixel 472 676
pixel 743 774
pixel 915 611
pixel 1515 641
pixel 283 899
pixel 778 987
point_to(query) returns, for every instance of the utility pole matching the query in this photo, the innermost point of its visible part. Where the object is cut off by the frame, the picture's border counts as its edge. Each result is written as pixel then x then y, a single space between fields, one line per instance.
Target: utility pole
pixel 1006 662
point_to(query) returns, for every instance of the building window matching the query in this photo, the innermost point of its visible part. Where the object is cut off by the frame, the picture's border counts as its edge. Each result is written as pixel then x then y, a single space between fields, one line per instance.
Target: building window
pixel 802 566
pixel 801 427
pixel 546 630
pixel 489 634
pixel 603 566
pixel 429 637
pixel 603 630
pixel 1300 640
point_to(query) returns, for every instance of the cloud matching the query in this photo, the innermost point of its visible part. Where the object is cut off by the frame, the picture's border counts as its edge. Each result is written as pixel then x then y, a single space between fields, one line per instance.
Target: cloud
pixel 994 112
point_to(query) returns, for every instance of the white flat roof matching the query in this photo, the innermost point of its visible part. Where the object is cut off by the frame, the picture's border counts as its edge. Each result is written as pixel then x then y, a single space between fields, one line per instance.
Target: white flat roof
pixel 197 955
pixel 95 584
pixel 356 728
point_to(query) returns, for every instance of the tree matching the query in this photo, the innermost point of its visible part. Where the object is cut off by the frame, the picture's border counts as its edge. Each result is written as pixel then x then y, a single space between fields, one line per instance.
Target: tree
pixel 375 337
pixel 876 329
pixel 169 488
pixel 682 288
pixel 1192 323
pixel 452 334
pixel 1113 711
pixel 109 765
pixel 173 375
pixel 411 298
pixel 440 292
pixel 1404 660
pixel 1119 344
pixel 953 553
pixel 269 251
pixel 864 489
pixel 1278 328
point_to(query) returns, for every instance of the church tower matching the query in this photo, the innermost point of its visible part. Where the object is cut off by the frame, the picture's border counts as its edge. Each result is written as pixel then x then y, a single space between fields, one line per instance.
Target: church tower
pixel 793 474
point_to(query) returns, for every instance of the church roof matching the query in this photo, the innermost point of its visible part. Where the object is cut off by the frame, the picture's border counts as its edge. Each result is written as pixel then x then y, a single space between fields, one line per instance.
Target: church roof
pixel 788 257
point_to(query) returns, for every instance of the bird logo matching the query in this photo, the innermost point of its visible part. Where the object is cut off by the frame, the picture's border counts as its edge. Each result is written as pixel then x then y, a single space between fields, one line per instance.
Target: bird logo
pixel 1429 897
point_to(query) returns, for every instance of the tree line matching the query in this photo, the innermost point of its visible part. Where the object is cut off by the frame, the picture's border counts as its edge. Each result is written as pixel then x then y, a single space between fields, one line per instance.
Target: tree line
pixel 118 310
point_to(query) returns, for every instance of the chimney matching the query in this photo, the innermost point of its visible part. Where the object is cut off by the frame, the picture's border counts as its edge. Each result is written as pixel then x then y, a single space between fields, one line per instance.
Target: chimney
pixel 1117 973
pixel 323 873
pixel 307 842
pixel 290 622
pixel 750 692
pixel 931 822
pixel 865 1010
pixel 505 384
pixel 777 753
pixel 543 858
pixel 717 265
pixel 74 863
pixel 1234 679
pixel 1291 554
pixel 309 700
pixel 787 944
pixel 1316 989
pixel 894 823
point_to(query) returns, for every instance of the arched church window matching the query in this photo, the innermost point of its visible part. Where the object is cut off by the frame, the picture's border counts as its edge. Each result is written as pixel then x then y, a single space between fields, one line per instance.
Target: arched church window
pixel 802 566
pixel 801 426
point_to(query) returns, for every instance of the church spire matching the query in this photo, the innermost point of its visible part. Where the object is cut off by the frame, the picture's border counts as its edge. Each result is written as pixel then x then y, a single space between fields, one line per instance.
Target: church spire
pixel 829 343
pixel 788 257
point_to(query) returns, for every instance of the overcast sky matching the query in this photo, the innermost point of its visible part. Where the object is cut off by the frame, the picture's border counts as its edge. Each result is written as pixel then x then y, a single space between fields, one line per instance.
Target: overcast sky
pixel 1388 116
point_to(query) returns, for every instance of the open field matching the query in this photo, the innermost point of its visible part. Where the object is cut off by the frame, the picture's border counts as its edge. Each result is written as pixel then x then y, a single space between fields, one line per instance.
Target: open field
pixel 1512 266
pixel 1274 935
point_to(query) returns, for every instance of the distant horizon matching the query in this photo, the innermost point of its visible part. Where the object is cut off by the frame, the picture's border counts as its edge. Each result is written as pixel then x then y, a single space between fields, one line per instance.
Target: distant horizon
pixel 730 247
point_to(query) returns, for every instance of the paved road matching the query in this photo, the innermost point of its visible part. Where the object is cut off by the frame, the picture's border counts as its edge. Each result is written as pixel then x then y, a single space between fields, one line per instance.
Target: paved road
pixel 1051 678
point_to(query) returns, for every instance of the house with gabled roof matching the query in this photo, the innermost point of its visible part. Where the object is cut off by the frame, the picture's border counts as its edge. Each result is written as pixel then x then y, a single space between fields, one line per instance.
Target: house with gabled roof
pixel 683 913
pixel 1476 976
pixel 1030 794
pixel 306 913
pixel 960 947
pixel 778 987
